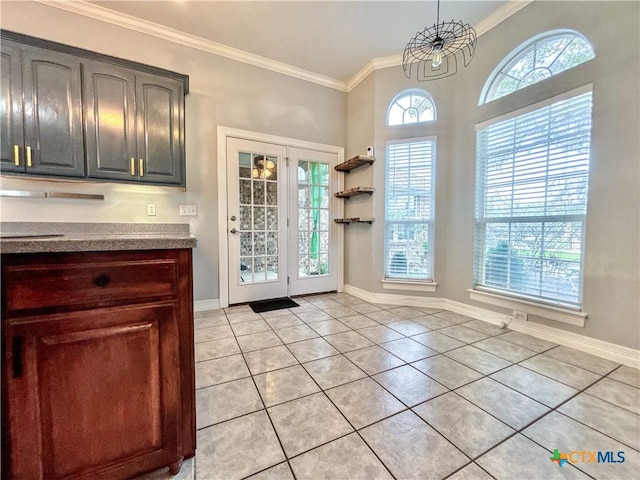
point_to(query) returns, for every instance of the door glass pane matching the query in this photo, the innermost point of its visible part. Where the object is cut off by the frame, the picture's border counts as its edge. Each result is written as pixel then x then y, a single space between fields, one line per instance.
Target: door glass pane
pixel 258 223
pixel 313 218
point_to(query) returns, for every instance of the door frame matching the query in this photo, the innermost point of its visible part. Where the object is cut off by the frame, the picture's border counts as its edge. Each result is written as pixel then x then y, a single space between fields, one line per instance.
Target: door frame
pixel 223 240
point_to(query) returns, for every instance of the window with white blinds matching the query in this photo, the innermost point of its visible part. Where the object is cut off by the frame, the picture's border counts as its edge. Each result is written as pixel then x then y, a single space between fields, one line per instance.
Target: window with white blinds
pixel 408 243
pixel 531 201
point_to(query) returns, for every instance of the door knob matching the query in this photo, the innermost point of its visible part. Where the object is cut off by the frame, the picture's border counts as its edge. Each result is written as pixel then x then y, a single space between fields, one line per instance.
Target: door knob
pixel 233 230
pixel 232 218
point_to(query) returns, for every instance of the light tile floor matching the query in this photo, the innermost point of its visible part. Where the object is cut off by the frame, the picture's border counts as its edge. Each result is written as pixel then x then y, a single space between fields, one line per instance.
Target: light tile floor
pixel 342 389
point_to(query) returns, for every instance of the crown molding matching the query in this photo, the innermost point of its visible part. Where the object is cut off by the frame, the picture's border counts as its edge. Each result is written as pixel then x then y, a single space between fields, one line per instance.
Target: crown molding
pixel 371 66
pixel 159 31
pixel 482 27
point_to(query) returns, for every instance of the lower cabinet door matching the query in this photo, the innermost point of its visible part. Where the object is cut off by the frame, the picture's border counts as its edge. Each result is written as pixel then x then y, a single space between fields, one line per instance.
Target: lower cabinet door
pixel 93 394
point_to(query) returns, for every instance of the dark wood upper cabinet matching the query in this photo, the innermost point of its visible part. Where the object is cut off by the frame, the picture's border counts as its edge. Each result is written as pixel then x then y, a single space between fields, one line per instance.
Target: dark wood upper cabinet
pixel 11 129
pixel 109 109
pixel 41 112
pixel 70 112
pixel 52 113
pixel 160 134
pixel 134 125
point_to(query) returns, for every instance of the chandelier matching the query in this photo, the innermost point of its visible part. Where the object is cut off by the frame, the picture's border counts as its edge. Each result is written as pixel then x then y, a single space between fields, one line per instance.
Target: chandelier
pixel 435 51
pixel 262 167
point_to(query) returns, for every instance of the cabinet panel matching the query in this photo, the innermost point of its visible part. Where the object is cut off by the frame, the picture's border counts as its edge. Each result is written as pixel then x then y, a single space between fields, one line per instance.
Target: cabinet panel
pixel 109 107
pixel 41 286
pixel 96 388
pixel 11 133
pixel 53 115
pixel 159 110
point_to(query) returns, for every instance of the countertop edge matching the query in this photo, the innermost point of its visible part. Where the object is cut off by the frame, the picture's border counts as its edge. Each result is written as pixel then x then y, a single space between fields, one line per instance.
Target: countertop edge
pixel 93 245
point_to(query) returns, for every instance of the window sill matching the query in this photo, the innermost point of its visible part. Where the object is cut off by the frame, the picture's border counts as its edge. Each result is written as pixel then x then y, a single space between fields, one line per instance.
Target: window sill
pixel 409 285
pixel 564 315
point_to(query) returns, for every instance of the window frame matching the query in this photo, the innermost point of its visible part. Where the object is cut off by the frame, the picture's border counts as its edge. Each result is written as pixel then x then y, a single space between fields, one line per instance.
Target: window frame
pixel 566 312
pixel 516 53
pixel 408 282
pixel 405 93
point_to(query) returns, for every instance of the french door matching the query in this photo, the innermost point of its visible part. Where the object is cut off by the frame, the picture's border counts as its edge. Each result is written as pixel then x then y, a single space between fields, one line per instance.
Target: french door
pixel 281 238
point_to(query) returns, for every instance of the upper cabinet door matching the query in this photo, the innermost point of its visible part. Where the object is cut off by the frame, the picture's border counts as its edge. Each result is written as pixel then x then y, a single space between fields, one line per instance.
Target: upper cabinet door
pixel 109 112
pixel 52 112
pixel 159 105
pixel 11 133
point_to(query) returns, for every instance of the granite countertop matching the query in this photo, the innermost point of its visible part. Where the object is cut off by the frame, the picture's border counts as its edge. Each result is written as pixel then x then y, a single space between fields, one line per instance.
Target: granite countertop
pixel 27 237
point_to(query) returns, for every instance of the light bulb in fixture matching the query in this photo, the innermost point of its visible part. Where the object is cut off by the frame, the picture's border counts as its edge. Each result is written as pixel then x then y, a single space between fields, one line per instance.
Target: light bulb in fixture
pixel 437 46
pixel 436 60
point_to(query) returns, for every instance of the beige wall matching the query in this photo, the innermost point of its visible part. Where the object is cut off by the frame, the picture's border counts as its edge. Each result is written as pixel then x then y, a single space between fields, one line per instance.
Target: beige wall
pixel 222 92
pixel 358 251
pixel 612 263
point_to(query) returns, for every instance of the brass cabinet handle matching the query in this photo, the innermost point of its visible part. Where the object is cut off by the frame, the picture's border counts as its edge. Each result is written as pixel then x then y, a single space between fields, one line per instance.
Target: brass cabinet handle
pixel 16 155
pixel 133 166
pixel 29 157
pixel 141 167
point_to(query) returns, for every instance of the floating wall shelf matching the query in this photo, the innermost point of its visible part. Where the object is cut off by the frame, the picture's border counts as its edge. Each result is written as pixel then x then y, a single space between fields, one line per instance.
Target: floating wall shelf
pixel 354 191
pixel 354 162
pixel 368 220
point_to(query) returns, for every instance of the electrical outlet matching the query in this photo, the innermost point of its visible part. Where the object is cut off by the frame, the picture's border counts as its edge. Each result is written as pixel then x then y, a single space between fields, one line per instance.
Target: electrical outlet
pixel 188 210
pixel 151 210
pixel 519 316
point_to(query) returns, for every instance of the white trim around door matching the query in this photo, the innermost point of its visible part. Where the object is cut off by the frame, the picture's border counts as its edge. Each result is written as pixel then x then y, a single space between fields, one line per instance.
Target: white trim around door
pixel 223 238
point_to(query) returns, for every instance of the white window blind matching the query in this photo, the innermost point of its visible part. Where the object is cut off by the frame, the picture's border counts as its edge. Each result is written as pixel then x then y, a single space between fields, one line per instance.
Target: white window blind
pixel 531 202
pixel 410 166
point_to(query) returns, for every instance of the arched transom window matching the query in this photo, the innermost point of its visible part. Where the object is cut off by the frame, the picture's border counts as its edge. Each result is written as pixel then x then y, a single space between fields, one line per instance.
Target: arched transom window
pixel 411 106
pixel 538 58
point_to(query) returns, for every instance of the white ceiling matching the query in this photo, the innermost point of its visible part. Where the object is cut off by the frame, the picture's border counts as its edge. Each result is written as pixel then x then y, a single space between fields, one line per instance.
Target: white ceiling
pixel 335 39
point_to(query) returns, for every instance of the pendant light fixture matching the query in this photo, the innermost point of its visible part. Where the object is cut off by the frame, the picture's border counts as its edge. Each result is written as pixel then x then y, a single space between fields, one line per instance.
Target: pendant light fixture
pixel 262 167
pixel 435 51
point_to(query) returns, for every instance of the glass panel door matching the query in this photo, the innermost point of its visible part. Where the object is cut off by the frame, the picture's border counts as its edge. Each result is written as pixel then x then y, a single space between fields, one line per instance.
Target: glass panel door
pixel 258 200
pixel 313 218
pixel 256 221
pixel 313 236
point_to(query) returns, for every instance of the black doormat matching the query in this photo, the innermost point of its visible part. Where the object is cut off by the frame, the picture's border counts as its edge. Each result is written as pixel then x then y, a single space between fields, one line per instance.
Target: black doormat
pixel 275 304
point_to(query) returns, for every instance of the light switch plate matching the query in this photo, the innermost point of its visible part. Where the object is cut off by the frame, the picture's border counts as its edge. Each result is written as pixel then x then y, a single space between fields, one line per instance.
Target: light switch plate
pixel 188 210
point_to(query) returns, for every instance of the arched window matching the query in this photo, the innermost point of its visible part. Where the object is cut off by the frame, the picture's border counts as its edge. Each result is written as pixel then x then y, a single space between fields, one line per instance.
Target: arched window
pixel 538 58
pixel 411 106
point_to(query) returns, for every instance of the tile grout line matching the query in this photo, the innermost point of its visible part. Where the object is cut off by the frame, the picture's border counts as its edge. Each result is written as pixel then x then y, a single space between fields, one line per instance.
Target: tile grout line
pixel 255 385
pixel 355 430
pixel 551 410
pixel 380 344
pixel 408 408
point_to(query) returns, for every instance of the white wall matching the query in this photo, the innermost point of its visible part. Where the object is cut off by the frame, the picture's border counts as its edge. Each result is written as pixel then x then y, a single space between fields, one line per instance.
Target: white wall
pixel 222 92
pixel 612 258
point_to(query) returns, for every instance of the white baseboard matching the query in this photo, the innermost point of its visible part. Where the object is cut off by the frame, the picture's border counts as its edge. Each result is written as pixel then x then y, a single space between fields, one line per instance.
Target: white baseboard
pixel 392 299
pixel 610 351
pixel 476 312
pixel 204 305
